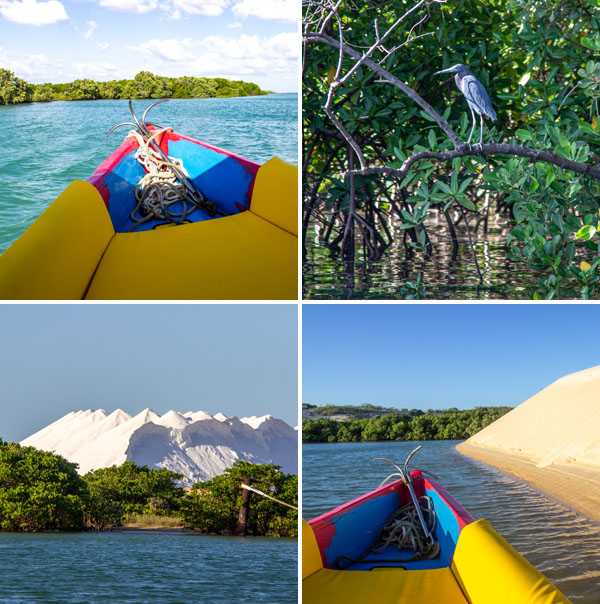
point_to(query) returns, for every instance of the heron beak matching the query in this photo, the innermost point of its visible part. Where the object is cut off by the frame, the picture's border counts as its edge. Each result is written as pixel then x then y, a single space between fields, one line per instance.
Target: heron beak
pixel 449 70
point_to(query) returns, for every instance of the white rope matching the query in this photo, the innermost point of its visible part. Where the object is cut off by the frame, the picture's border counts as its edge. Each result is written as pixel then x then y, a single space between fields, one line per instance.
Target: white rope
pixel 159 189
pixel 249 488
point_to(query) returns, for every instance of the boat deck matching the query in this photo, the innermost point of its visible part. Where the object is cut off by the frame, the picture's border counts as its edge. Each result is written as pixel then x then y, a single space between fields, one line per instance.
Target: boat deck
pixel 384 586
pixel 392 557
pixel 475 566
pixel 73 252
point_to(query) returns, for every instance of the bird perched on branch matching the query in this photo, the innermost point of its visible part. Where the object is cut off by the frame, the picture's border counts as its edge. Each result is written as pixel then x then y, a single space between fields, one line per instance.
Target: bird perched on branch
pixel 476 95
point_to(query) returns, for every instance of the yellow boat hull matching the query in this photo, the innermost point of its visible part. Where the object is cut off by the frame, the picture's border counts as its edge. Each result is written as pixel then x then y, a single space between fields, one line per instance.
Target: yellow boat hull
pixel 73 252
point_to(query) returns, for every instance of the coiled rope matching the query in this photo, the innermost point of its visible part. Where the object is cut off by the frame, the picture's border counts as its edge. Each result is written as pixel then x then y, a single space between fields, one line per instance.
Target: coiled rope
pixel 402 530
pixel 159 190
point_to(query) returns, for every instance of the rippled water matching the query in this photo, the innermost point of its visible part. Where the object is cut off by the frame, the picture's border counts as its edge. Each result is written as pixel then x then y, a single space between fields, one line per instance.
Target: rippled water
pixel 45 146
pixel 132 568
pixel 447 275
pixel 562 544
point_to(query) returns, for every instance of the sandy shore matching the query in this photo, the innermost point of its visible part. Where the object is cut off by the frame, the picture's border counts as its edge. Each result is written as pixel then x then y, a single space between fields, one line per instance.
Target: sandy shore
pixel 576 485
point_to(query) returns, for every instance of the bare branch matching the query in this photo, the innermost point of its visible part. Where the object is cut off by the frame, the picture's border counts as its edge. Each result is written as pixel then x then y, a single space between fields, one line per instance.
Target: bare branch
pixel 347 136
pixel 380 40
pixel 489 149
pixel 386 75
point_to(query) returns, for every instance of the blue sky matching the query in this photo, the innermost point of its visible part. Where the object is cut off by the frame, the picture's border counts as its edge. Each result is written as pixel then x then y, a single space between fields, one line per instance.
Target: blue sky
pixel 236 359
pixel 62 40
pixel 442 355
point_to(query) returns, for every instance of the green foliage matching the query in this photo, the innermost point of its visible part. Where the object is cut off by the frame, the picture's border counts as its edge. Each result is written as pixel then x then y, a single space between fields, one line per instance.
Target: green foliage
pixel 42 491
pixel 451 424
pixel 213 506
pixel 38 490
pixel 43 93
pixel 82 90
pixel 539 61
pixel 159 521
pixel 13 90
pixel 356 411
pixel 145 85
pixel 127 489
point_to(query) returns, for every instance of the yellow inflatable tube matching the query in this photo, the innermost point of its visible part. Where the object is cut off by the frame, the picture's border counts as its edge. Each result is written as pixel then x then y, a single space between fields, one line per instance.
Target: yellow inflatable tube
pixel 490 571
pixel 72 251
pixel 57 255
pixel 485 570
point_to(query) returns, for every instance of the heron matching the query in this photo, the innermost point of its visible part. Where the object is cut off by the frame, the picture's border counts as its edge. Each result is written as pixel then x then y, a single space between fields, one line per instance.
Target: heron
pixel 476 95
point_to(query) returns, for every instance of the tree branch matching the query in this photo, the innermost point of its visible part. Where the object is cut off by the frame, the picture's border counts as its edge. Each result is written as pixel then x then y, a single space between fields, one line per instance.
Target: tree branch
pixel 488 149
pixel 386 75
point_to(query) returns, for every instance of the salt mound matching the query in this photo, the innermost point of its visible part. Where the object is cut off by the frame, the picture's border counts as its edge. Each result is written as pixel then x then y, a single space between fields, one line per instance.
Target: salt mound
pixel 256 421
pixel 194 444
pixel 558 425
pixel 172 419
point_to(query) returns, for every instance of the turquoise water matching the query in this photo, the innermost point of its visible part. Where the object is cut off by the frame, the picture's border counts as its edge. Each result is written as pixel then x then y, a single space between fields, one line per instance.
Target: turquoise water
pixel 45 146
pixel 562 544
pixel 132 568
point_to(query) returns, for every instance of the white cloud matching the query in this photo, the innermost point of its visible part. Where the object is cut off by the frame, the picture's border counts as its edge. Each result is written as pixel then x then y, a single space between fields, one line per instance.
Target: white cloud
pixel 208 8
pixel 97 71
pixel 92 25
pixel 31 12
pixel 102 45
pixel 280 10
pixel 271 62
pixel 234 25
pixel 34 68
pixel 130 6
pixel 39 69
pixel 175 8
pixel 165 50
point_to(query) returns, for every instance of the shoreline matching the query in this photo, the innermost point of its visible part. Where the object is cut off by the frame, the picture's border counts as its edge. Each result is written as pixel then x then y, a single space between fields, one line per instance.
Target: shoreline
pixel 145 529
pixel 574 485
pixel 172 98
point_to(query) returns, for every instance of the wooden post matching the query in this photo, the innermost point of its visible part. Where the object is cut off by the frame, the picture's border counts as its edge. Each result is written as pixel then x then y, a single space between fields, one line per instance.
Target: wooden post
pixel 243 515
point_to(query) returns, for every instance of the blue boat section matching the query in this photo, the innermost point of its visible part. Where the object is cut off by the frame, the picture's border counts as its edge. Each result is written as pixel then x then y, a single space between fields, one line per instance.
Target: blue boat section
pixel 446 528
pixel 121 182
pixel 355 529
pixel 220 177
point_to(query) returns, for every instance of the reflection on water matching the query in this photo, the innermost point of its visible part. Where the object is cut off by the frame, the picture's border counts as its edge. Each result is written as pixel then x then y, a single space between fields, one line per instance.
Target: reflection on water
pixel 451 272
pixel 560 543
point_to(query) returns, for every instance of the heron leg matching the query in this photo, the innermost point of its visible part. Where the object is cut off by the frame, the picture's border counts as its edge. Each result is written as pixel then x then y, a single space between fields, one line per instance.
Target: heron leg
pixel 479 144
pixel 481 129
pixel 473 128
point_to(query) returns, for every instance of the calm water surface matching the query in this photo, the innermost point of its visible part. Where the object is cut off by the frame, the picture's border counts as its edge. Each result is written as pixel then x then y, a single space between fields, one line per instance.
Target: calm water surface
pixel 45 146
pixel 445 276
pixel 560 543
pixel 132 568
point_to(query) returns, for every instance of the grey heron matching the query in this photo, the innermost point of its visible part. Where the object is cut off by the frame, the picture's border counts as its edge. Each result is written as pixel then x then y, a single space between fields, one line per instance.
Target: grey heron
pixel 476 95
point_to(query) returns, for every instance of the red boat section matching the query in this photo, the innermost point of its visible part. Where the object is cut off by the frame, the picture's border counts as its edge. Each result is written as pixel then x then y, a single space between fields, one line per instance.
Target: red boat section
pixel 462 516
pixel 324 525
pixel 352 526
pixel 108 166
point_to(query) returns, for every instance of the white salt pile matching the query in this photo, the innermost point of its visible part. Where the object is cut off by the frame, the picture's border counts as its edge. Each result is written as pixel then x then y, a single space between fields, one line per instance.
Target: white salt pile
pixel 194 444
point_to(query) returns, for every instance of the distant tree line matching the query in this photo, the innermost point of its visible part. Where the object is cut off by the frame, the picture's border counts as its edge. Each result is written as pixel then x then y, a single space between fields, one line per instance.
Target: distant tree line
pixel 367 410
pixel 145 85
pixel 42 491
pixel 432 425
